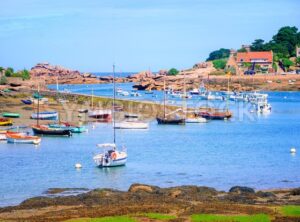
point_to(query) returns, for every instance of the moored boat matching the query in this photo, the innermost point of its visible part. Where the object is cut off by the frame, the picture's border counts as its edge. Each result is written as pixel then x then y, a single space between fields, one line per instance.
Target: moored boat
pixel 131 125
pixel 173 121
pixel 215 115
pixel 11 115
pixel 26 101
pixel 45 130
pixel 21 138
pixel 52 115
pixel 102 114
pixel 131 115
pixel 196 120
pixel 5 122
pixel 66 126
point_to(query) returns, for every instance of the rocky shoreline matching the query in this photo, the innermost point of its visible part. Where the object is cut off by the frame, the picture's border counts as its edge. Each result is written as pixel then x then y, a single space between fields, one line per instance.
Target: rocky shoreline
pixel 141 198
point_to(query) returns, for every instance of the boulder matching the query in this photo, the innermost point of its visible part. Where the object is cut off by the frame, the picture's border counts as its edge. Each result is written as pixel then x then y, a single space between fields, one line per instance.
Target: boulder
pixel 142 188
pixel 242 190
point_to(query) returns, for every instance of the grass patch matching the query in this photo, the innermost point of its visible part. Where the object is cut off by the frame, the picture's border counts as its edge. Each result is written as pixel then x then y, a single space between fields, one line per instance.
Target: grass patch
pixel 224 218
pixel 158 216
pixel 291 210
pixel 104 219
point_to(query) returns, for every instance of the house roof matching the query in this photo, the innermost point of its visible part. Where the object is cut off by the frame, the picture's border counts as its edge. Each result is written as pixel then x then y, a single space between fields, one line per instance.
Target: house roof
pixel 266 56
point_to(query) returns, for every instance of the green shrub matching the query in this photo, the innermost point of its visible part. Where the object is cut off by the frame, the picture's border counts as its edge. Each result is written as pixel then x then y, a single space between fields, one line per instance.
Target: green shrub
pixel 173 72
pixel 225 218
pixel 9 72
pixel 3 80
pixel 219 63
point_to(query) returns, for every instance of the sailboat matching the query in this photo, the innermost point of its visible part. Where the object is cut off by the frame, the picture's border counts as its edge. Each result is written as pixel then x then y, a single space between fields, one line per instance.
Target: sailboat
pixel 169 120
pixel 44 129
pixel 111 156
pixel 103 115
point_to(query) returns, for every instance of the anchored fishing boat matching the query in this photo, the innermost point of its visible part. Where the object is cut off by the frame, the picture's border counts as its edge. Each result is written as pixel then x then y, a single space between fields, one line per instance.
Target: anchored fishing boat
pixel 111 156
pixel 215 115
pixel 11 115
pixel 5 122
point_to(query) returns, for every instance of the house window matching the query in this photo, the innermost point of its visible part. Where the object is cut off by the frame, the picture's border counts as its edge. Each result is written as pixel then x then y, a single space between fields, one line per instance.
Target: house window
pixel 242 60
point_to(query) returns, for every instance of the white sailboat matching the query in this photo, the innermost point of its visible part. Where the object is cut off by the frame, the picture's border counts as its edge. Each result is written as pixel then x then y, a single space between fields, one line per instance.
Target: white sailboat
pixel 111 156
pixel 131 125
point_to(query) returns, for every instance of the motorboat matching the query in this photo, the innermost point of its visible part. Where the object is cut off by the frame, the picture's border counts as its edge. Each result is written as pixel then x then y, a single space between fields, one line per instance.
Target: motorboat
pixel 263 107
pixel 131 125
pixel 110 157
pixel 48 115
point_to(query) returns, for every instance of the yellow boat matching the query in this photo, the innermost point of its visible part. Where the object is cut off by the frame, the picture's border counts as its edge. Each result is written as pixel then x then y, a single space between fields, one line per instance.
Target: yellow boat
pixel 5 122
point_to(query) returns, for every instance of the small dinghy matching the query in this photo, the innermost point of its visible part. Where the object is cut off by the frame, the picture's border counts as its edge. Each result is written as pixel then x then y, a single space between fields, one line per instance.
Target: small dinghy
pixel 26 101
pixel 83 110
pixel 21 138
pixel 11 115
pixel 45 115
pixel 5 122
pixel 67 126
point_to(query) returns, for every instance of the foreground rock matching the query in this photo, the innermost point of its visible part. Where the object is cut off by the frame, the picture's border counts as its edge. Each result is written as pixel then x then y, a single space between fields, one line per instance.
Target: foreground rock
pixel 141 198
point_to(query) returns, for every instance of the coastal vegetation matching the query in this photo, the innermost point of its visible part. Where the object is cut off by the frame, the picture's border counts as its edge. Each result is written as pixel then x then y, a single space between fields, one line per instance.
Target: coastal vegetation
pixel 291 210
pixel 9 72
pixel 219 63
pixel 173 72
pixel 219 54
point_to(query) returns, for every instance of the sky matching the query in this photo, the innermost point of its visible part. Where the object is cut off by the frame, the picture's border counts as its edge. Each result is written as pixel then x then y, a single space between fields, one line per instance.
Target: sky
pixel 136 35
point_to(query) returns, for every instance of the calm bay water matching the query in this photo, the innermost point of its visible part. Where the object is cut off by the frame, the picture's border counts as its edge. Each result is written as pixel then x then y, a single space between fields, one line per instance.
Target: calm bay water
pixel 250 150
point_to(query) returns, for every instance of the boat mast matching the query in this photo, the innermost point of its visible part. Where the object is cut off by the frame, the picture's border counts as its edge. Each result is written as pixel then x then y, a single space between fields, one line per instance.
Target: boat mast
pixel 92 99
pixel 227 99
pixel 184 108
pixel 38 106
pixel 113 108
pixel 165 96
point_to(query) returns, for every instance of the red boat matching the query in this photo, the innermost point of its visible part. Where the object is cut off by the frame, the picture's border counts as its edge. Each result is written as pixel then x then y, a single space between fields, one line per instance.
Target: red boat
pixel 215 115
pixel 101 115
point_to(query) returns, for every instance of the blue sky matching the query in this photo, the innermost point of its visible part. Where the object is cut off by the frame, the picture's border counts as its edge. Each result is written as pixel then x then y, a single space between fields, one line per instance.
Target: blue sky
pixel 135 34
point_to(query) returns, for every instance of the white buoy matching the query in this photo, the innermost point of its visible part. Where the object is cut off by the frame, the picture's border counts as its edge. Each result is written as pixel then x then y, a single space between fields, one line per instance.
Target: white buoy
pixel 293 150
pixel 78 165
pixel 93 126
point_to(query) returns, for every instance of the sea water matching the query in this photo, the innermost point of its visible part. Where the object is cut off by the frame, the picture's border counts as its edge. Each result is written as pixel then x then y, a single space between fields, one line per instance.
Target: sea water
pixel 249 150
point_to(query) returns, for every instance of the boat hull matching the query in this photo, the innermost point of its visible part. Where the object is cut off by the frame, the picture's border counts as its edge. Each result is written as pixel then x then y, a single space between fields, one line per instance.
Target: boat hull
pixel 215 116
pixel 45 116
pixel 131 125
pixel 11 115
pixel 170 121
pixel 5 122
pixel 51 132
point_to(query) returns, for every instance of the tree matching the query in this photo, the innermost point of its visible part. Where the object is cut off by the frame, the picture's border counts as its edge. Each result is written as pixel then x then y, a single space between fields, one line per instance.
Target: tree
pixel 258 45
pixel 219 54
pixel 25 74
pixel 173 72
pixel 9 72
pixel 1 69
pixel 219 63
pixel 242 50
pixel 287 63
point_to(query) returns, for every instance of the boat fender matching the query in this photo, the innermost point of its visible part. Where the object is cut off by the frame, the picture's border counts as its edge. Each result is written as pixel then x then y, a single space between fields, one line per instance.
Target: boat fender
pixel 113 155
